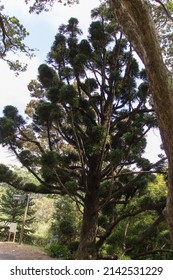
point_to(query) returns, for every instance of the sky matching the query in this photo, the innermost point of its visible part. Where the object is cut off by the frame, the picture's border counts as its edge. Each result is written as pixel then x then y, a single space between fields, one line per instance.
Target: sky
pixel 42 29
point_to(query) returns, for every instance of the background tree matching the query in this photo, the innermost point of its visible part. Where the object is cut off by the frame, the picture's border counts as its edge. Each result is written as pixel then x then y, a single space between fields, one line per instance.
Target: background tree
pixel 44 207
pixel 66 220
pixel 12 36
pixel 145 236
pixel 12 211
pixel 64 231
pixel 89 122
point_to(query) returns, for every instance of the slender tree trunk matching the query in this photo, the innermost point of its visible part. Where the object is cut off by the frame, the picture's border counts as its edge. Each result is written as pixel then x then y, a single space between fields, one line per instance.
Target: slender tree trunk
pixel 137 24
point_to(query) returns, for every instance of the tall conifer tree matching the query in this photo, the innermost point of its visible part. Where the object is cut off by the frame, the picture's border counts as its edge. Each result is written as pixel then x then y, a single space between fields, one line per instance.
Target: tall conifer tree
pixel 90 112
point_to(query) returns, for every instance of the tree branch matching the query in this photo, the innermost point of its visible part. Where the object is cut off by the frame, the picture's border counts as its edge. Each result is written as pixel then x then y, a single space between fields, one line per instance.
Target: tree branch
pixel 165 9
pixel 151 252
pixel 115 223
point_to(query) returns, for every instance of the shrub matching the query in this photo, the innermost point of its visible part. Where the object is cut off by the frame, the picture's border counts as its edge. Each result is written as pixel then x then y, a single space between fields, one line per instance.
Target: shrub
pixel 57 250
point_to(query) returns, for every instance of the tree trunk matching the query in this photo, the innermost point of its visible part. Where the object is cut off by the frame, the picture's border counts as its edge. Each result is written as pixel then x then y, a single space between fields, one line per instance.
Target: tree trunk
pixel 137 24
pixel 87 245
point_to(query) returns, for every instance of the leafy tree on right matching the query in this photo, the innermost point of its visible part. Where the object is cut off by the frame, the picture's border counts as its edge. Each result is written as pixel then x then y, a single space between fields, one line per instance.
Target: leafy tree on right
pixel 137 22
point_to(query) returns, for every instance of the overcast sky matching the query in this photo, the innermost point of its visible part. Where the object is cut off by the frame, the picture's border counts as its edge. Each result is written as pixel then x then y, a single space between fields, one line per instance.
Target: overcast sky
pixel 42 29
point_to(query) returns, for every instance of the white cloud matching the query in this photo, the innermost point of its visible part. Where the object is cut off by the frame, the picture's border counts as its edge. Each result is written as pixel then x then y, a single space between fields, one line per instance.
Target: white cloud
pixel 14 89
pixel 60 14
pixel 8 158
pixel 14 92
pixel 153 145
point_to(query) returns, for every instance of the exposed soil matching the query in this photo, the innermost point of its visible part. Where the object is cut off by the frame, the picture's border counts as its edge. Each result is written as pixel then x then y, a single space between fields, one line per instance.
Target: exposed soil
pixel 14 251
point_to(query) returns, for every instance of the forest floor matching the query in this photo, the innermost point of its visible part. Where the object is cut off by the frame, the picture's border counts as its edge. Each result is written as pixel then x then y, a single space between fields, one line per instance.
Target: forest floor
pixel 14 251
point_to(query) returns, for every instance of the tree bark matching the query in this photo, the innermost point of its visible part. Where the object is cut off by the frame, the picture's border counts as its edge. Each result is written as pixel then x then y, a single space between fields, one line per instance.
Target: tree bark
pixel 137 24
pixel 87 246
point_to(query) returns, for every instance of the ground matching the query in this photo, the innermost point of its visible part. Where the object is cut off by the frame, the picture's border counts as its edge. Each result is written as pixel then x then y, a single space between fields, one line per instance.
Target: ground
pixel 14 251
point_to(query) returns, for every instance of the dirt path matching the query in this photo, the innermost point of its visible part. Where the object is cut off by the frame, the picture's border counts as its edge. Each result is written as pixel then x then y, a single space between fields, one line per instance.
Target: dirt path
pixel 14 251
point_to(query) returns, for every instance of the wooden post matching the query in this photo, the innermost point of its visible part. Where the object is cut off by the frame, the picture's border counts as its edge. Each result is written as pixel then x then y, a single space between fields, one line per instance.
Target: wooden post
pixel 14 236
pixel 24 219
pixel 9 236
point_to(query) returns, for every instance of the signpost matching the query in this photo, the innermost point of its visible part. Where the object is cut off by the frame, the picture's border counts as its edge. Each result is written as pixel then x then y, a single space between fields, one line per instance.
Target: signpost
pixel 21 197
pixel 24 219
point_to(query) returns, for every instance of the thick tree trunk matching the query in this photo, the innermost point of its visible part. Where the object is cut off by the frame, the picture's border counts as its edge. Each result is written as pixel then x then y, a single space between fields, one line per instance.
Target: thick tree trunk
pixel 137 24
pixel 87 246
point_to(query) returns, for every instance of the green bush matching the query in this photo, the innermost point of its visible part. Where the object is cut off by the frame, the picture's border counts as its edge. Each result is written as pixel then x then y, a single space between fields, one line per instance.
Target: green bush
pixel 57 250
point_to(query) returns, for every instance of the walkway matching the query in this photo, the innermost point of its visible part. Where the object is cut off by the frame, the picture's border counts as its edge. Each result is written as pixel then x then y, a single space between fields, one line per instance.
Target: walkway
pixel 14 251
